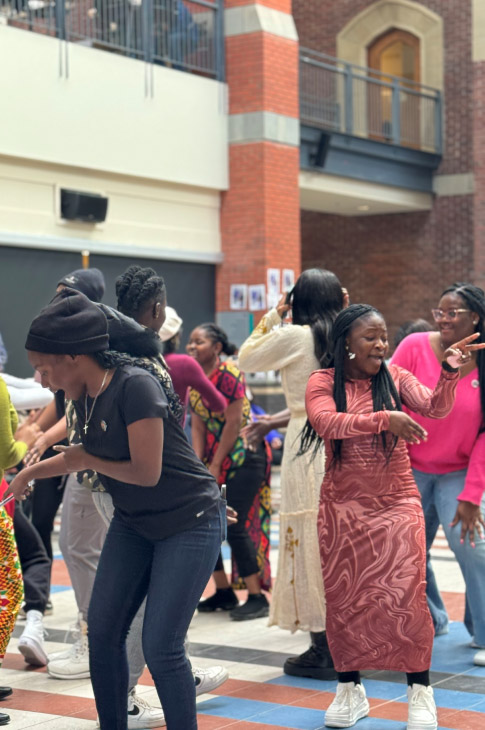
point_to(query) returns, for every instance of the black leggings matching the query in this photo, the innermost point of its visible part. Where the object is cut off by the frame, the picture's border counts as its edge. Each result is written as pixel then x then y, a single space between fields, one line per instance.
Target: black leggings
pixel 412 677
pixel 36 565
pixel 241 491
pixel 46 498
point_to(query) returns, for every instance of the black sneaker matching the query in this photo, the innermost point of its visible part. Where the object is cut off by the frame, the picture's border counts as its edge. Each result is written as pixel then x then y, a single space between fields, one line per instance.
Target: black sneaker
pixel 224 599
pixel 4 719
pixel 315 663
pixel 256 606
pixel 5 692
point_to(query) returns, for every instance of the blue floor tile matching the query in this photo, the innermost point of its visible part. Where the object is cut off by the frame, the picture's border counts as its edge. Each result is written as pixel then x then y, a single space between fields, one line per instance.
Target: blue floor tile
pixel 60 589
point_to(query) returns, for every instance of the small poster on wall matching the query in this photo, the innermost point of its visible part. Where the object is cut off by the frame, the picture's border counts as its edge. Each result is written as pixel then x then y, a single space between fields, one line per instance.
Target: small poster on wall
pixel 288 280
pixel 239 296
pixel 257 297
pixel 274 290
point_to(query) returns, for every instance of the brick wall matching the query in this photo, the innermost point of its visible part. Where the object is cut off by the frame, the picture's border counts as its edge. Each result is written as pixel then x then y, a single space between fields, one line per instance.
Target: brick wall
pixel 320 21
pixel 260 216
pixel 399 263
pixel 479 171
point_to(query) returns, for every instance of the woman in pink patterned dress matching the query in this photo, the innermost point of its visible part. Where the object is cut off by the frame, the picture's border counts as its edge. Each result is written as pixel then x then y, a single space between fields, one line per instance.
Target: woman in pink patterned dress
pixel 371 526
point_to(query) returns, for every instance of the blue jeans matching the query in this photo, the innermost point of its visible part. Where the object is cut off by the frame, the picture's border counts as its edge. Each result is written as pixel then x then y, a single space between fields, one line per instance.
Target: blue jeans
pixel 439 494
pixel 171 573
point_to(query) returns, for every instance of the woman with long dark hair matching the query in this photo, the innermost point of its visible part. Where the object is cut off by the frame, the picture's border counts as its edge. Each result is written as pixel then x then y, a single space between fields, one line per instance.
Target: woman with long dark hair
pixel 449 468
pixel 165 535
pixel 296 350
pixel 371 526
pixel 216 439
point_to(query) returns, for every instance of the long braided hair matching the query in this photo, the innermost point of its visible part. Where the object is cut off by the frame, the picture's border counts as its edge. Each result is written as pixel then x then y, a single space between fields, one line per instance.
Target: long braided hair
pixel 137 289
pixel 384 393
pixel 474 298
pixel 316 299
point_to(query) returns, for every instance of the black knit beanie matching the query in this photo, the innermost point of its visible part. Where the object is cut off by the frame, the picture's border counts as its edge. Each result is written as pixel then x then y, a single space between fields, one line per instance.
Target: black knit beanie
pixel 88 281
pixel 70 325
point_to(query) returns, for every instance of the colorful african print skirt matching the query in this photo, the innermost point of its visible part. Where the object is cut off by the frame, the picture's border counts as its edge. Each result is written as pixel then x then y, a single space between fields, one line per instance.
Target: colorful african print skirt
pixel 11 584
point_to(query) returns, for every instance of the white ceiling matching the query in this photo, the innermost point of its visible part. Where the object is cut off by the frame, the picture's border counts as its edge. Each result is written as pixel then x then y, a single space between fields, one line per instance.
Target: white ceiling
pixel 343 196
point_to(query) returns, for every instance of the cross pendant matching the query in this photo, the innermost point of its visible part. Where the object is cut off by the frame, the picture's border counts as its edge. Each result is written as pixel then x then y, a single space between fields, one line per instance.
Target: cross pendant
pixel 85 427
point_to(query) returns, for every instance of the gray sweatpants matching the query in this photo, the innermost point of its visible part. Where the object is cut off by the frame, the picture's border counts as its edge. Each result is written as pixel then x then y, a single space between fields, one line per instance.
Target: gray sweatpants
pixel 85 520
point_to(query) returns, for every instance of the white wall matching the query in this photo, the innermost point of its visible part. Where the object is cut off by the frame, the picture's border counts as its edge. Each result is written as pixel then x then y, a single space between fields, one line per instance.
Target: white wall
pixel 100 119
pixel 157 219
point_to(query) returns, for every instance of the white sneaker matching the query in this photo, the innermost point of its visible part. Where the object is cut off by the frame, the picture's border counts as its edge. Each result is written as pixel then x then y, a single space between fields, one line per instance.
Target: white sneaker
pixel 31 642
pixel 74 662
pixel 479 658
pixel 143 715
pixel 422 709
pixel 207 680
pixel 350 704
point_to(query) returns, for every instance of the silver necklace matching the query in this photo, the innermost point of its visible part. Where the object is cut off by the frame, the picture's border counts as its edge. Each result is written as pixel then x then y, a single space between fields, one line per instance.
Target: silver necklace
pixel 86 417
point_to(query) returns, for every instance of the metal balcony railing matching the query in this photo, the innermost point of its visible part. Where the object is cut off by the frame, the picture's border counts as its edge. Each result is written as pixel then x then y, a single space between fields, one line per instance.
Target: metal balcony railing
pixel 184 34
pixel 363 102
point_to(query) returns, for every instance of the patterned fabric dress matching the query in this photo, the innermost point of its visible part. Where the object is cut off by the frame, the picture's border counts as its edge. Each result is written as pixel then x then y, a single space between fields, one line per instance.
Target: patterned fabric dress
pixel 11 585
pixel 371 527
pixel 298 598
pixel 229 380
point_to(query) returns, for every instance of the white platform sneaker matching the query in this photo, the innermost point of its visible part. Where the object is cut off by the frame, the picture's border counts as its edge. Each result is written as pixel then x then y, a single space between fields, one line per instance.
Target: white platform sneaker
pixel 206 680
pixel 31 642
pixel 350 704
pixel 73 663
pixel 422 713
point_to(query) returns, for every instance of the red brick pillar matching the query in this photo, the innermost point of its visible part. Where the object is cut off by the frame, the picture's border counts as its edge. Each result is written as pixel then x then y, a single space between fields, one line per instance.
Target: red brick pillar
pixel 260 213
pixel 478 273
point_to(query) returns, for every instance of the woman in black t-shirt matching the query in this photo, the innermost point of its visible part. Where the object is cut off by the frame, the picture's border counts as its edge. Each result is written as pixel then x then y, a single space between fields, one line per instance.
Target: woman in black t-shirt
pixel 169 518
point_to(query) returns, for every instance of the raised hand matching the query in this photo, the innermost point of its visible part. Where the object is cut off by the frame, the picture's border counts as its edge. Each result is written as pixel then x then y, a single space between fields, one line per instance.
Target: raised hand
pixel 460 353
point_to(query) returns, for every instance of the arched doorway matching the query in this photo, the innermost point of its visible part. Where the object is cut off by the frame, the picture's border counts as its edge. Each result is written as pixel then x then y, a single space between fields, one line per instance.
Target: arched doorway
pixel 395 53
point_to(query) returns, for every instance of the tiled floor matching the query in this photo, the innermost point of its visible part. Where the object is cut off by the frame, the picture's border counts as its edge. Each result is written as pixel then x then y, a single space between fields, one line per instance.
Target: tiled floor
pixel 258 696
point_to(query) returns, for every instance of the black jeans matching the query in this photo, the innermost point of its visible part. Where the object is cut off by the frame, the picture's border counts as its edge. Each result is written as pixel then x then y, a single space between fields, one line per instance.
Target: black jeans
pixel 36 564
pixel 241 491
pixel 172 573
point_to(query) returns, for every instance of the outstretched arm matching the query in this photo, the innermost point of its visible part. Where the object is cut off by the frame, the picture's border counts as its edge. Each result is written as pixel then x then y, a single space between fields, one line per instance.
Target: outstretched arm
pixel 199 381
pixel 435 403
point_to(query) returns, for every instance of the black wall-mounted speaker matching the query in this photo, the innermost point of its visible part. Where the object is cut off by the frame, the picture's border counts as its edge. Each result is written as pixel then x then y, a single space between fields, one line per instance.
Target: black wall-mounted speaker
pixel 85 207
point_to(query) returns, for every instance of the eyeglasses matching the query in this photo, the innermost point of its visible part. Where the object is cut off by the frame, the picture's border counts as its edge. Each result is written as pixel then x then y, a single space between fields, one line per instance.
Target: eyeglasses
pixel 450 315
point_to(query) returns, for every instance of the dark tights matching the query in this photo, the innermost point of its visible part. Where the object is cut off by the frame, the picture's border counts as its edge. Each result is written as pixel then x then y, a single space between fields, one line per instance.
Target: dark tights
pixel 412 677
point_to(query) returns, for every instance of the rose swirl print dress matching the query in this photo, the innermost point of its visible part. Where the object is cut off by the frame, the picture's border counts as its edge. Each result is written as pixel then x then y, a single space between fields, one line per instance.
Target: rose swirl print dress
pixel 371 527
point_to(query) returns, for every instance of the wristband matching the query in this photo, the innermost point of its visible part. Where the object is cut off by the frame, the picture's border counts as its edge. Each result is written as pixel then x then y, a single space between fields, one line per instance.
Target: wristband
pixel 446 366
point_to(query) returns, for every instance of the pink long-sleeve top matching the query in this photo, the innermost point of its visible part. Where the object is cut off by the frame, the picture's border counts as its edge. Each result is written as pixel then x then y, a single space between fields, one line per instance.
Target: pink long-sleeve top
pixel 365 471
pixel 186 373
pixel 454 443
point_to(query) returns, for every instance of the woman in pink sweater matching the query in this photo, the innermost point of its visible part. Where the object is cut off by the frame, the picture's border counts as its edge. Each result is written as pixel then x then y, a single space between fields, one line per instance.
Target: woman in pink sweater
pixel 449 468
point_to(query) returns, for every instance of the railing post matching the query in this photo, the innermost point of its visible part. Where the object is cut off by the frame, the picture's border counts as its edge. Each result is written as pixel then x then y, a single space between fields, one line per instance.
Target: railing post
pixel 438 124
pixel 147 43
pixel 60 10
pixel 396 113
pixel 220 42
pixel 349 99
